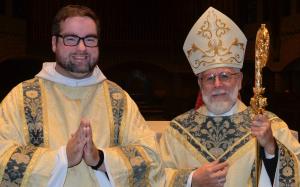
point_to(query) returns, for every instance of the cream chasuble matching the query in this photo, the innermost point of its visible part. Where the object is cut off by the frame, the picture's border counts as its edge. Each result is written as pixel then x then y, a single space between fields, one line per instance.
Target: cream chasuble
pixel 38 117
pixel 193 139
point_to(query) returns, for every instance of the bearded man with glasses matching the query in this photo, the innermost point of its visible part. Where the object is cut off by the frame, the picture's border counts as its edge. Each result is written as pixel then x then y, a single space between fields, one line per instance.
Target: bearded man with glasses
pixel 70 126
pixel 215 145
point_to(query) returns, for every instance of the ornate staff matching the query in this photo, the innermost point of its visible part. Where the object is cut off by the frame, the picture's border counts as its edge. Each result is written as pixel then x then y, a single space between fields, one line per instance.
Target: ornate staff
pixel 258 102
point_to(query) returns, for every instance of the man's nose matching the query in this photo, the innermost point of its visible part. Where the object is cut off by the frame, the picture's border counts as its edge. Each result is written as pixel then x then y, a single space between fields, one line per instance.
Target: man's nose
pixel 218 82
pixel 81 46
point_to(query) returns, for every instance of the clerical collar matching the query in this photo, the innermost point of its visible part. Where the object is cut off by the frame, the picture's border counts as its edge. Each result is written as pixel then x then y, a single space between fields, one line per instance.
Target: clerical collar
pixel 239 106
pixel 48 72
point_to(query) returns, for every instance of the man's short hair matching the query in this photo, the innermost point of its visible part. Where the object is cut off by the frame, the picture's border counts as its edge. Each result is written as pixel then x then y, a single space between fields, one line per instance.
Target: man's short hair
pixel 73 11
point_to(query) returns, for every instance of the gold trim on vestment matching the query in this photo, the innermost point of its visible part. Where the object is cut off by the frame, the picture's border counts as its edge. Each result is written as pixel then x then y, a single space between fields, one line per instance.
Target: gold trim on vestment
pixel 128 166
pixel 122 123
pixel 241 152
pixel 187 144
pixel 33 111
pixel 109 112
pixel 37 154
pixel 296 164
pixel 145 157
pixel 236 143
pixel 180 177
pixel 45 114
pixel 22 113
pixel 173 178
pixel 5 158
pixel 17 165
pixel 139 164
pixel 297 176
pixel 272 118
pixel 117 99
pixel 278 126
pixel 202 147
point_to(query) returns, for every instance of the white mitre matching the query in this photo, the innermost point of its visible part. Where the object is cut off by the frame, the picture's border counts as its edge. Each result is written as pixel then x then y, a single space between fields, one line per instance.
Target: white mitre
pixel 214 41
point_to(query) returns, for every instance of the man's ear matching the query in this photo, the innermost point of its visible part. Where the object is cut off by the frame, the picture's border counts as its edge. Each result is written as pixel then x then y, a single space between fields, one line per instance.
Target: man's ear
pixel 241 80
pixel 54 43
pixel 199 81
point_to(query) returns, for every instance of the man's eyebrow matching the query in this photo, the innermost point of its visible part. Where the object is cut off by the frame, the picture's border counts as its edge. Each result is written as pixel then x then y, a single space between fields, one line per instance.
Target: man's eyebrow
pixel 73 34
pixel 92 35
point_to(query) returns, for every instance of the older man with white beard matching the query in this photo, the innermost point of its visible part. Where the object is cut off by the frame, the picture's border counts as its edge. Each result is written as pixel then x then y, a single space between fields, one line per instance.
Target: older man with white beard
pixel 215 145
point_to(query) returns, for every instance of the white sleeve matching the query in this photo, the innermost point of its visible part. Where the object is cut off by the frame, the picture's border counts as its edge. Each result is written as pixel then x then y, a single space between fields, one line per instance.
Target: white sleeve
pixel 59 172
pixel 189 181
pixel 102 179
pixel 264 179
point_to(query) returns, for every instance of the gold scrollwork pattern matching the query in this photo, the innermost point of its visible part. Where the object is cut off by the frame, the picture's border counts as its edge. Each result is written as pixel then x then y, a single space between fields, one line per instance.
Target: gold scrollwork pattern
pixel 235 148
pixel 287 173
pixel 222 28
pixel 204 30
pixel 212 30
pixel 17 165
pixel 190 140
pixel 139 164
pixel 118 102
pixel 216 134
pixel 33 111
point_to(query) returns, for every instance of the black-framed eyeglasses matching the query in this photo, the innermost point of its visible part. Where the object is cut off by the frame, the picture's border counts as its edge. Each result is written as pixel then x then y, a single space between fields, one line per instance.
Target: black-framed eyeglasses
pixel 73 40
pixel 222 76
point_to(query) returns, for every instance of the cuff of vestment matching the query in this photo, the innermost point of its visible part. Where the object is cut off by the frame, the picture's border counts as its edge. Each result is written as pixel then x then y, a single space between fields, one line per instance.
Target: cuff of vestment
pixel 189 181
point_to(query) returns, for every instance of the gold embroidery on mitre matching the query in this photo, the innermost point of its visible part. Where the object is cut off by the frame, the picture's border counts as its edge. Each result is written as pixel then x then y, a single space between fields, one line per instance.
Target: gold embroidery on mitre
pixel 214 40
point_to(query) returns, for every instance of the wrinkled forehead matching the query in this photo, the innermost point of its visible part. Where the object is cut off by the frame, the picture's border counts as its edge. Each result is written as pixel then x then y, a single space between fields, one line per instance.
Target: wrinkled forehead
pixel 219 70
pixel 78 25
